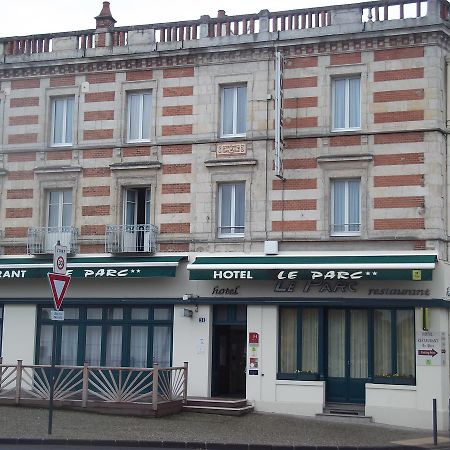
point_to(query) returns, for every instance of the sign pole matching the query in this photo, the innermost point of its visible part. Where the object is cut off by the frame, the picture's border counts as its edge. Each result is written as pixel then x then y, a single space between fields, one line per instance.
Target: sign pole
pixel 52 381
pixel 59 282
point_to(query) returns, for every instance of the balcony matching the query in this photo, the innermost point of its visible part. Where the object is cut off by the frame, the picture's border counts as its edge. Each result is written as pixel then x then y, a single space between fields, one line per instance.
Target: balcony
pixel 42 240
pixel 140 238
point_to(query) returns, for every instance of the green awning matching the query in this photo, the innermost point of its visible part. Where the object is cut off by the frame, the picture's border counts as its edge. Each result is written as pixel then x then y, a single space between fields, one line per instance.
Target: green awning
pixel 417 266
pixel 92 267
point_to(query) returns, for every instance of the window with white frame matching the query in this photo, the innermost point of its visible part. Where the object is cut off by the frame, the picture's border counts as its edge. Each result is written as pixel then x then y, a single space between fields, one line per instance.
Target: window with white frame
pixel 346 207
pixel 139 116
pixel 234 110
pixel 62 120
pixel 346 99
pixel 231 209
pixel 59 208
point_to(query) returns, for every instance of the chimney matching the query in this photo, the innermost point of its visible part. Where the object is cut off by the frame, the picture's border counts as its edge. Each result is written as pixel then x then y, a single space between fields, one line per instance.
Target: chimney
pixel 221 14
pixel 105 18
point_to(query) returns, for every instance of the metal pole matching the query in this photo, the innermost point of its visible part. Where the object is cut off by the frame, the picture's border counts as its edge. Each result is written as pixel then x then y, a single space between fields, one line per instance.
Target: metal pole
pixel 449 417
pixel 52 381
pixel 435 440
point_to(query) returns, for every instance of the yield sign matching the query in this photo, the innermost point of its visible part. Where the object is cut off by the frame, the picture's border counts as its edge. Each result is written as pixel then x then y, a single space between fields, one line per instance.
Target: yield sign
pixel 59 284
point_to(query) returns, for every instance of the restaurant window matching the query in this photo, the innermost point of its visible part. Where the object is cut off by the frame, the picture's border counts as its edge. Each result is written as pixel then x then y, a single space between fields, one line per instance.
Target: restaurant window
pixel 394 345
pixel 299 343
pixel 62 121
pixel 1 328
pixel 108 336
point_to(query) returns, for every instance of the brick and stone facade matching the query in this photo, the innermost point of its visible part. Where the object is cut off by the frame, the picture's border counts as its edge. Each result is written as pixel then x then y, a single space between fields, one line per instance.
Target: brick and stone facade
pixel 399 152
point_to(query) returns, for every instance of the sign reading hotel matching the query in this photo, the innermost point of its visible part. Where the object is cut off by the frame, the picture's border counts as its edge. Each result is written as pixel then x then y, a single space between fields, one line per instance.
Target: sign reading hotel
pixel 430 348
pixel 349 275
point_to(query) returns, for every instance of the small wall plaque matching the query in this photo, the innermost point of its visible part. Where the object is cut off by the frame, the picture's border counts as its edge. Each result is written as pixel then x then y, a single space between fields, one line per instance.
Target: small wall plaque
pixel 231 149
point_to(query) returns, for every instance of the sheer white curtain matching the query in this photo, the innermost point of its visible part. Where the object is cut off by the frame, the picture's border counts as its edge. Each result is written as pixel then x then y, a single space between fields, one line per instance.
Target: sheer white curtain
pixel 45 344
pixel 339 103
pixel 161 345
pixel 354 103
pixel 336 343
pixel 353 204
pixel 338 188
pixel 113 346
pixel 138 346
pixel 69 345
pixel 288 340
pixel 241 115
pixel 382 342
pixel 228 94
pixel 92 354
pixel 358 343
pixel 405 342
pixel 134 108
pixel 310 340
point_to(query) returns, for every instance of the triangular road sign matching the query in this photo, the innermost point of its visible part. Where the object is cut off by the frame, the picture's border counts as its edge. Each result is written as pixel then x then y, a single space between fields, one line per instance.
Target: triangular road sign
pixel 59 284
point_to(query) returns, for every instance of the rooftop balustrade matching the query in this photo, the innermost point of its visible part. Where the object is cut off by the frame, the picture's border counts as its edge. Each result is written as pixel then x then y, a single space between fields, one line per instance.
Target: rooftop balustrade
pixel 202 31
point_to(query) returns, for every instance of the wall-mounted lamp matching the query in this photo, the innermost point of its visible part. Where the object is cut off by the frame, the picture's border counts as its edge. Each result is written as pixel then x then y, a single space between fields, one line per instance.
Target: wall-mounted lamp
pixel 190 298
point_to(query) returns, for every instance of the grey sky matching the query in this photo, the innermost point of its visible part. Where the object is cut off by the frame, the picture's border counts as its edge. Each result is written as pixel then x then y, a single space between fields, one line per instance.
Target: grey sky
pixel 23 17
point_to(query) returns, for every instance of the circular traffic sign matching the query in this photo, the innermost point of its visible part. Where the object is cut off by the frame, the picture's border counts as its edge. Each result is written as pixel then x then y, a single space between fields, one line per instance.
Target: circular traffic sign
pixel 60 262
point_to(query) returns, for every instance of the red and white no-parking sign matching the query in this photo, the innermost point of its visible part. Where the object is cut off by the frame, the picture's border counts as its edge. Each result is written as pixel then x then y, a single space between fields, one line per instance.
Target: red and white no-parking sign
pixel 60 259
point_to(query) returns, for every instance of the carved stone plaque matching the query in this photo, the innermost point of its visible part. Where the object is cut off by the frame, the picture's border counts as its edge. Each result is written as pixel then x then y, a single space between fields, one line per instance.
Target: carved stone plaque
pixel 231 149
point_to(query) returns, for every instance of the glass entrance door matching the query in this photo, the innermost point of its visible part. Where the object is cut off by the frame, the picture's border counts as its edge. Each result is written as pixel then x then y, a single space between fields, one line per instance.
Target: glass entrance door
pixel 347 351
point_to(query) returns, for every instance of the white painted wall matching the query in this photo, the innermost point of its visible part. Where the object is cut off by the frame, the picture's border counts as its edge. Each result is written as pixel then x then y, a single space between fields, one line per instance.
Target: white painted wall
pixel 264 390
pixel 19 333
pixel 412 405
pixel 187 333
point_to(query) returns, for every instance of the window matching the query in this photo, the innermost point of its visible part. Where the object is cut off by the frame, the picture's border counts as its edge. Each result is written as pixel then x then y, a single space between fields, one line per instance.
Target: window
pixel 231 209
pixel 137 234
pixel 394 344
pixel 345 207
pixel 1 328
pixel 139 116
pixel 62 121
pixel 299 343
pixel 59 209
pixel 234 111
pixel 346 103
pixel 108 336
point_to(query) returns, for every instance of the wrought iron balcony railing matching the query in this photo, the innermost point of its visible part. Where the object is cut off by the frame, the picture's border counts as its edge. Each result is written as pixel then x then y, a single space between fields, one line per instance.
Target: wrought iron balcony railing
pixel 131 238
pixel 42 240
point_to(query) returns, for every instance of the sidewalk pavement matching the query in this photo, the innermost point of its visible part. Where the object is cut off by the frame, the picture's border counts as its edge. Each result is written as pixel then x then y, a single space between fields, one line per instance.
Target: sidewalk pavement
pixel 192 430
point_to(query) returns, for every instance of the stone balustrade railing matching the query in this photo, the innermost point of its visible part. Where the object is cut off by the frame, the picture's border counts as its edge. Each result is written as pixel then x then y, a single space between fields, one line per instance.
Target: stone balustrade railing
pixel 223 26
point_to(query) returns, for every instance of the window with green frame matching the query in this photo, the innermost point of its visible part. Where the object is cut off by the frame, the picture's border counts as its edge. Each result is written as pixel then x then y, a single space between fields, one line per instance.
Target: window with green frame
pixel 299 343
pixel 1 328
pixel 394 345
pixel 391 356
pixel 112 336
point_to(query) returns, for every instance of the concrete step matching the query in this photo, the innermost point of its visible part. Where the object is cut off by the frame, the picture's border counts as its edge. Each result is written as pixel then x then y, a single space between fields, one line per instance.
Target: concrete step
pixel 216 402
pixel 224 411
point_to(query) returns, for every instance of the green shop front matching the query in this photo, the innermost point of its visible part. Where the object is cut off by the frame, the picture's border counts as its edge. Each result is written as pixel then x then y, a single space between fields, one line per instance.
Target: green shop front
pixel 331 328
pixel 117 311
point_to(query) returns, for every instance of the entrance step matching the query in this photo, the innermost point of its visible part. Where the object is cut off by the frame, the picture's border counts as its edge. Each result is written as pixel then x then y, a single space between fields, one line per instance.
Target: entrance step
pixel 223 406
pixel 344 412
